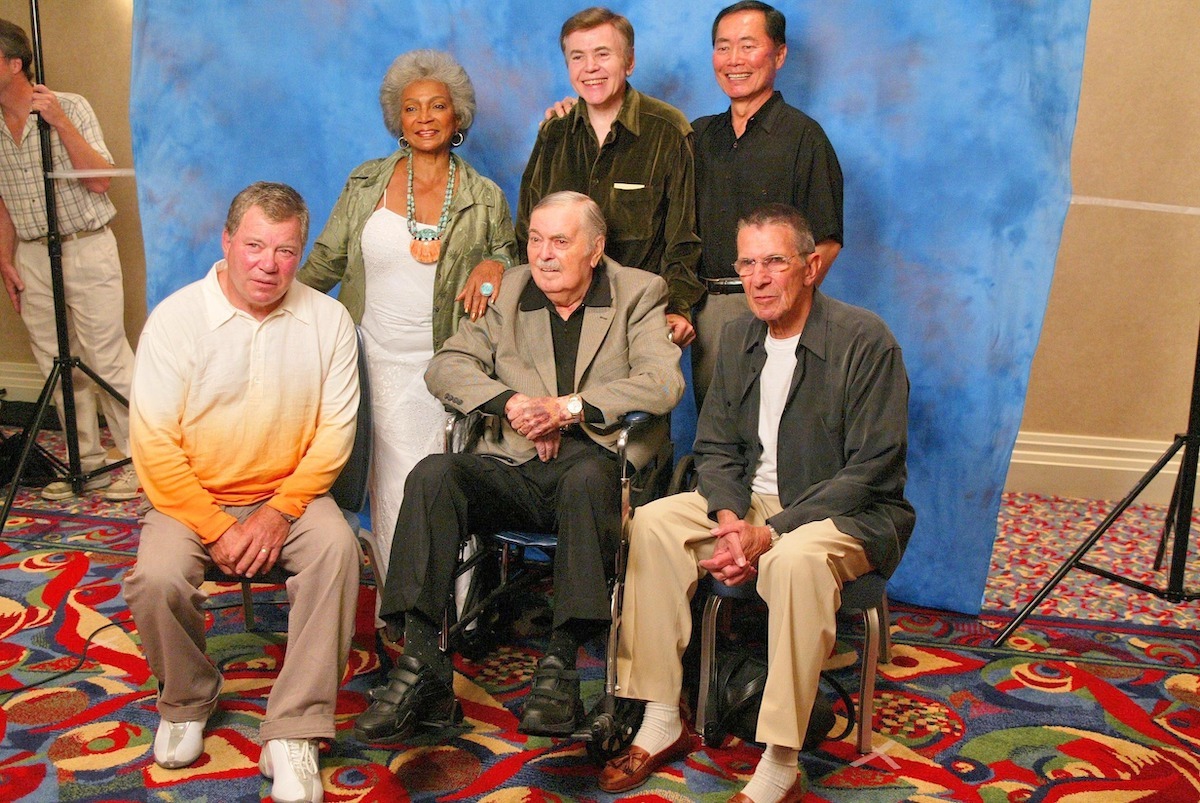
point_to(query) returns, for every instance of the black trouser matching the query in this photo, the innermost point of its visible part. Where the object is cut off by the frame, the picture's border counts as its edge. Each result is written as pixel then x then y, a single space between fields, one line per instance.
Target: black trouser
pixel 449 496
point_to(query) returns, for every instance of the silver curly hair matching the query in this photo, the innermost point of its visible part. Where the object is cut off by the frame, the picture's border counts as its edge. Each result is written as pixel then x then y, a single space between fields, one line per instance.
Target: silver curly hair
pixel 435 65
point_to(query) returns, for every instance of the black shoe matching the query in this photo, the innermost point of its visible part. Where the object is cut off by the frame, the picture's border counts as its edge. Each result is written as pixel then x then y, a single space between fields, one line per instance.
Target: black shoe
pixel 414 695
pixel 553 707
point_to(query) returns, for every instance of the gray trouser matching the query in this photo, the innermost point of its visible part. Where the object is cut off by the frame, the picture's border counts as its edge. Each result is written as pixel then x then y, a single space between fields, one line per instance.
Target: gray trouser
pixel 163 593
pixel 710 317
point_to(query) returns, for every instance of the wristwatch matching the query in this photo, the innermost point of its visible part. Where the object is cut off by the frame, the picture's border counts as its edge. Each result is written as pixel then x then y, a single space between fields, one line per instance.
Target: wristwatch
pixel 775 536
pixel 575 406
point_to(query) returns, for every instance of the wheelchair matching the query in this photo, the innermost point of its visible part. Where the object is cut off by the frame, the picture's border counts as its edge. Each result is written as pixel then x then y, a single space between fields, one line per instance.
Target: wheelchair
pixel 495 569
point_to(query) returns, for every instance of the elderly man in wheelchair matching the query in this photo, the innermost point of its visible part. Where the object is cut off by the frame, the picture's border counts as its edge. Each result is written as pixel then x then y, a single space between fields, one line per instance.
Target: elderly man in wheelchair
pixel 573 343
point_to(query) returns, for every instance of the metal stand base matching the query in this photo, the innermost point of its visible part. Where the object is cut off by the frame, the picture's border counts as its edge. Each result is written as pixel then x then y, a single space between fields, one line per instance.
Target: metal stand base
pixel 1179 519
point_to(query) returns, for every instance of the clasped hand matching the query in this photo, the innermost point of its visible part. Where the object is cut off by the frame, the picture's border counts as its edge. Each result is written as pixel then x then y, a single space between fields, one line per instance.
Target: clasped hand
pixel 538 419
pixel 251 547
pixel 739 546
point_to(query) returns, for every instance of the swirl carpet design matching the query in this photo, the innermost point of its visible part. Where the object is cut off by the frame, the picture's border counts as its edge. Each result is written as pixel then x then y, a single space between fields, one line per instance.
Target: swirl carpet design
pixel 1103 705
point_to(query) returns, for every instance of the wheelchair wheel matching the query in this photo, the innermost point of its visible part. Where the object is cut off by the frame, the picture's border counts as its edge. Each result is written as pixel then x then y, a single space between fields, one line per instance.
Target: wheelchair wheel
pixel 684 477
pixel 714 734
pixel 610 734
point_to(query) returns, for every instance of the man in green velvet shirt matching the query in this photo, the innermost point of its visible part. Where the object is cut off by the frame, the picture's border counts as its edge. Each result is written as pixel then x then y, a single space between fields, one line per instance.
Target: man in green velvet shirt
pixel 631 153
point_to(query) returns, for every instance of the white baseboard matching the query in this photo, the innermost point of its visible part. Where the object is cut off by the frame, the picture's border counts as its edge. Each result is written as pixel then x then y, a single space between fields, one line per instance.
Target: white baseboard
pixel 1089 467
pixel 22 380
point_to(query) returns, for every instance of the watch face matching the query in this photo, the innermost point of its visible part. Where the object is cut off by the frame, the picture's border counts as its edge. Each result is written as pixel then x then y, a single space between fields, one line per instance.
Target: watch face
pixel 574 405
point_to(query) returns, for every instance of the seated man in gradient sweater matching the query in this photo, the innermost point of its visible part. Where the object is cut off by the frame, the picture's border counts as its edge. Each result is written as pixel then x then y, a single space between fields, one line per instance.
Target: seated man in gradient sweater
pixel 245 392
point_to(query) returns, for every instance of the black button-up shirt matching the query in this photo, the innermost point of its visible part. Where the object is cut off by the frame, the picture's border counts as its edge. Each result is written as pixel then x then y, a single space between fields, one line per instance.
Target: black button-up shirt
pixel 783 156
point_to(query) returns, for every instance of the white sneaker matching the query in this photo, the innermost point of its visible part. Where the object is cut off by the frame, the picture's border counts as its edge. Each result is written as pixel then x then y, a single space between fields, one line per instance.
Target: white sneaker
pixel 178 744
pixel 59 490
pixel 292 764
pixel 125 486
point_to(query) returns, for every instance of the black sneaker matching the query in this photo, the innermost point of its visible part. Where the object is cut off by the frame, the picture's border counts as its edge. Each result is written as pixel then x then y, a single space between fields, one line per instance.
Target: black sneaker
pixel 553 707
pixel 415 695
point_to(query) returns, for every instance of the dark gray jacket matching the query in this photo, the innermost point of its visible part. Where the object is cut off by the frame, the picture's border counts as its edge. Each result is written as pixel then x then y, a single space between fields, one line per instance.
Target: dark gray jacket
pixel 843 436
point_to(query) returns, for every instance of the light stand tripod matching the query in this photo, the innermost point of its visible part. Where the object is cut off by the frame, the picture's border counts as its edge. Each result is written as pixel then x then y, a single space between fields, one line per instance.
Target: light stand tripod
pixel 1179 517
pixel 64 363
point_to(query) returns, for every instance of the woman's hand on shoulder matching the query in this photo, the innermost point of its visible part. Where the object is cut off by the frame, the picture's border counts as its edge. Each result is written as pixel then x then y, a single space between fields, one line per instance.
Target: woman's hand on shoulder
pixel 481 288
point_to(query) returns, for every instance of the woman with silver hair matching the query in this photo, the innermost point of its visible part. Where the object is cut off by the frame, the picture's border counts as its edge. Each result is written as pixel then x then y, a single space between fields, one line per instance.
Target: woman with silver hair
pixel 418 240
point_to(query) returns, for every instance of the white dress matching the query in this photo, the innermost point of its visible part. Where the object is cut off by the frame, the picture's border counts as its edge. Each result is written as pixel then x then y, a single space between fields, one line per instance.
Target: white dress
pixel 397 328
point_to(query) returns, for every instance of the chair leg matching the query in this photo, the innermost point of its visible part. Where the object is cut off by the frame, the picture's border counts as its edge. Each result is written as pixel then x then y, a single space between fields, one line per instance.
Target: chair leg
pixel 372 559
pixel 708 662
pixel 885 641
pixel 248 606
pixel 866 687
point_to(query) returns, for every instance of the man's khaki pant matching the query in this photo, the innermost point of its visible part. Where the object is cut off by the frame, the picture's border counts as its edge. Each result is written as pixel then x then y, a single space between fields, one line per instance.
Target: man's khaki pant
pixel 163 593
pixel 95 327
pixel 800 578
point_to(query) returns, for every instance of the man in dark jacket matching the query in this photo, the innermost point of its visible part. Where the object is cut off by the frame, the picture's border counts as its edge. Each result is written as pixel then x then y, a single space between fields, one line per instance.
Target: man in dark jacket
pixel 800 453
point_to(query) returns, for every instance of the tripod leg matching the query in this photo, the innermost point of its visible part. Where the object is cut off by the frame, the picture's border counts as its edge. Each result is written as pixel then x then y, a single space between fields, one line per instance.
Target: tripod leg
pixel 107 388
pixel 1078 554
pixel 30 436
pixel 1169 524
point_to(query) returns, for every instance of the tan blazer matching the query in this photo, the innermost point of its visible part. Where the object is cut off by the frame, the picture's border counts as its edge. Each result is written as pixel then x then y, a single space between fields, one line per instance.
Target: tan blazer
pixel 625 360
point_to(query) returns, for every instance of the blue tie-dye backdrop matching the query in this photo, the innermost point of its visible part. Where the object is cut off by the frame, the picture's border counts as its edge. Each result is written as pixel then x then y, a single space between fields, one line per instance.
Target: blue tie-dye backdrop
pixel 952 119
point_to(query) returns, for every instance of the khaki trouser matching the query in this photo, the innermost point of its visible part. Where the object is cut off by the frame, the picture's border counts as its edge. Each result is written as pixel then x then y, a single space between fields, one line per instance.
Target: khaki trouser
pixel 163 593
pixel 800 578
pixel 96 329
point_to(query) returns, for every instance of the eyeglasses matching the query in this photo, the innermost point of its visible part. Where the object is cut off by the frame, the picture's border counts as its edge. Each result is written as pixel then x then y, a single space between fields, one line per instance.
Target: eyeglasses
pixel 774 264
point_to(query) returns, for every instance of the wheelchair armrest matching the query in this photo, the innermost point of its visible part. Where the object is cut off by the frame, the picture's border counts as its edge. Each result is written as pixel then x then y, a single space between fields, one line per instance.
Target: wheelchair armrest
pixel 635 418
pixel 632 422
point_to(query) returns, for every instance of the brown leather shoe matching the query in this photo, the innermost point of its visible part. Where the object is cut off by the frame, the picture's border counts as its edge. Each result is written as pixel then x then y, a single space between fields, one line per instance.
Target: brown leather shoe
pixel 633 767
pixel 794 794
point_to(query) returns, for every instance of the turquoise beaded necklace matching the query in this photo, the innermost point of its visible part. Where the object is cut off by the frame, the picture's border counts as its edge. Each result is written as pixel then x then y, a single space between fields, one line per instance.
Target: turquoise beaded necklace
pixel 427 243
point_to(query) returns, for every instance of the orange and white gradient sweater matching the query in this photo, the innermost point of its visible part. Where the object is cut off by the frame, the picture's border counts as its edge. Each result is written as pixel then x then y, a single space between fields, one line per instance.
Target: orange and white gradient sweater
pixel 227 410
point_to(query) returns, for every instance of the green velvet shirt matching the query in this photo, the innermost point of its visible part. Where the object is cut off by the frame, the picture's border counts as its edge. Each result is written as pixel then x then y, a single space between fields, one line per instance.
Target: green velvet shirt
pixel 643 179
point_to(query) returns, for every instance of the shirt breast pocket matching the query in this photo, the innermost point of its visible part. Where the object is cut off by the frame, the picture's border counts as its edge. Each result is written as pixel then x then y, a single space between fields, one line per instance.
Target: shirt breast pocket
pixel 630 212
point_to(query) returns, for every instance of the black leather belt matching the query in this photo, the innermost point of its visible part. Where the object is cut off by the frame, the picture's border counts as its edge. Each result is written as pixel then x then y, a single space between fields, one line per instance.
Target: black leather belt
pixel 724 287
pixel 66 238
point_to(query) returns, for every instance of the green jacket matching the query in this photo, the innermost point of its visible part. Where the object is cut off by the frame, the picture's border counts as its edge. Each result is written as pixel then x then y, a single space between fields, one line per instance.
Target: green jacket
pixel 480 228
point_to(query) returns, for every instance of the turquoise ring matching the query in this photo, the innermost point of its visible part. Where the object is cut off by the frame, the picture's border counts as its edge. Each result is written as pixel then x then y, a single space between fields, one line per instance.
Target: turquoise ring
pixel 486 289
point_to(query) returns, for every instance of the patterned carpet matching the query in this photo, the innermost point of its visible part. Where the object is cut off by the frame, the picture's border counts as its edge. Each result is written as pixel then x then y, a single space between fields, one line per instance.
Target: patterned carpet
pixel 1096 698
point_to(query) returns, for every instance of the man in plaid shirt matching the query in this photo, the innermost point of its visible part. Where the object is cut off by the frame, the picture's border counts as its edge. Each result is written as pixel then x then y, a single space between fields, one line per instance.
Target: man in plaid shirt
pixel 91 267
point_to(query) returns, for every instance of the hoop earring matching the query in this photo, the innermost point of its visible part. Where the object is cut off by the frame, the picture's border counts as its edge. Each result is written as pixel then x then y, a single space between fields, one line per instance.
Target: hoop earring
pixel 403 143
pixel 460 137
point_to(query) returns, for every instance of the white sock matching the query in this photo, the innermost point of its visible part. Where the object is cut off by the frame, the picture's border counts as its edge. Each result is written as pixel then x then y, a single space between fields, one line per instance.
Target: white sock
pixel 774 775
pixel 661 726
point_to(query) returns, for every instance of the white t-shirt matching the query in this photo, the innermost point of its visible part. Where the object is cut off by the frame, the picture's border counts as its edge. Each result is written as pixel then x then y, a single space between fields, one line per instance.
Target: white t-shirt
pixel 773 392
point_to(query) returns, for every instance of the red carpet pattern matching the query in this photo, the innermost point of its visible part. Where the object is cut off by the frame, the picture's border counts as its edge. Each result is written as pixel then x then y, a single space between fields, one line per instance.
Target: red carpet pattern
pixel 1090 707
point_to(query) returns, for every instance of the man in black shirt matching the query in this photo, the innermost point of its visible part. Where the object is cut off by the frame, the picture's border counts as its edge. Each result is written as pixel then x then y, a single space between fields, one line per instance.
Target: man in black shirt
pixel 760 150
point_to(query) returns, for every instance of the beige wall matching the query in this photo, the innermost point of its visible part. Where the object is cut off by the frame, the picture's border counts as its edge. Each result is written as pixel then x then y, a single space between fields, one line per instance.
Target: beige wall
pixel 1119 342
pixel 1116 354
pixel 85 49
